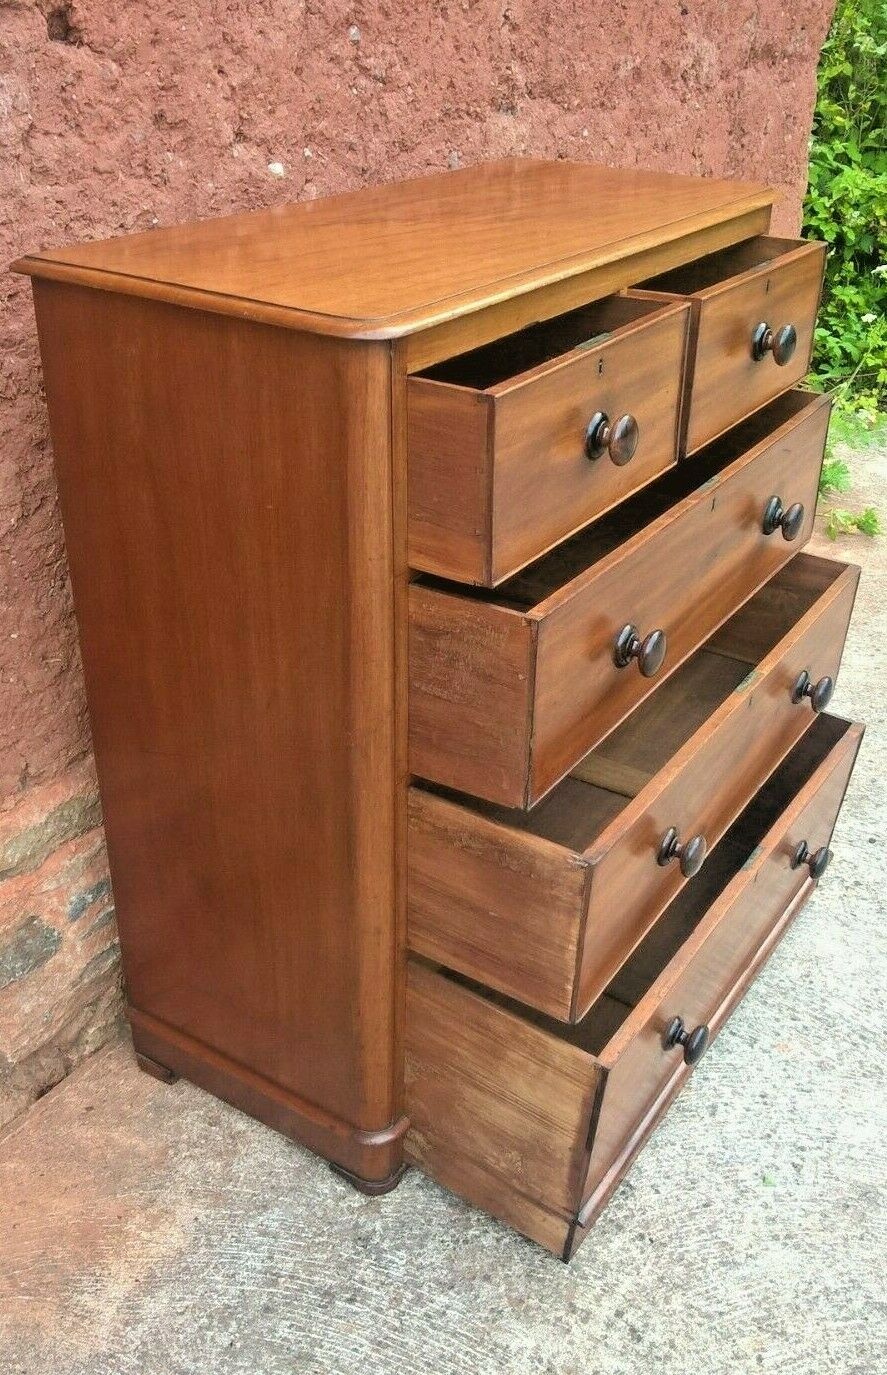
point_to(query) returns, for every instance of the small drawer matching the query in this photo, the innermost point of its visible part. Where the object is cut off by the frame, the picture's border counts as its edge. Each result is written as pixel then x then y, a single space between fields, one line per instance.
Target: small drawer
pixel 517 445
pixel 754 311
pixel 509 689
pixel 547 905
pixel 537 1122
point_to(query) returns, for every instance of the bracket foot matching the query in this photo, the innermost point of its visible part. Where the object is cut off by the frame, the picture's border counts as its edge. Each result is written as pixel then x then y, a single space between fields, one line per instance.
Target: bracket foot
pixel 166 1076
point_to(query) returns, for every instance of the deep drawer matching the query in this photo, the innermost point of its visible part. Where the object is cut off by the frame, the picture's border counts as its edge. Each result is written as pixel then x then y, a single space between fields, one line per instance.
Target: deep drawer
pixel 508 690
pixel 518 444
pixel 547 905
pixel 754 311
pixel 537 1122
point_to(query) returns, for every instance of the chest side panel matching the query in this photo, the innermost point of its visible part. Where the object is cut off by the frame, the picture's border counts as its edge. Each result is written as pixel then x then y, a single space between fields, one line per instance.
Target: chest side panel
pixel 226 495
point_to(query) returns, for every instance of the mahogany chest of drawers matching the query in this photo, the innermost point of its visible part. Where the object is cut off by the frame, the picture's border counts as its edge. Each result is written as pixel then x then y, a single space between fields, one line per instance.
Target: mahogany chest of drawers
pixel 457 678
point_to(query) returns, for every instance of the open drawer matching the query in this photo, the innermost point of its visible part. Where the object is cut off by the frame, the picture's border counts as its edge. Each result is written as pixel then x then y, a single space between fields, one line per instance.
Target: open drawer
pixel 516 445
pixel 509 689
pixel 754 311
pixel 536 1121
pixel 547 905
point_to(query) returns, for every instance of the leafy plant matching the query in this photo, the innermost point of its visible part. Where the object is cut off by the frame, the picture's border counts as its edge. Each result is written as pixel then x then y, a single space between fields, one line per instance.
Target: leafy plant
pixel 835 476
pixel 847 207
pixel 849 522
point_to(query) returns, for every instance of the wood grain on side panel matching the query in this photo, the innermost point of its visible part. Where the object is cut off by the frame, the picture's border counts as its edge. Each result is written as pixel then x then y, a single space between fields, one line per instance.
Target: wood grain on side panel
pixel 502 908
pixel 471 687
pixel 449 479
pixel 485 1085
pixel 226 494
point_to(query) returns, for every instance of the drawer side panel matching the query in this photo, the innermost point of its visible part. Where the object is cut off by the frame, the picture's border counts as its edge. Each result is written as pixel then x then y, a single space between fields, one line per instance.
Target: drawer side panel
pixel 471 667
pixel 502 907
pixel 448 480
pixel 487 1087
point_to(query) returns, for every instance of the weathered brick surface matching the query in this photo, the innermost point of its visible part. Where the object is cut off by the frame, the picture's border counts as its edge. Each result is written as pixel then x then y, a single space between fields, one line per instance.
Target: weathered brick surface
pixel 119 117
pixel 59 966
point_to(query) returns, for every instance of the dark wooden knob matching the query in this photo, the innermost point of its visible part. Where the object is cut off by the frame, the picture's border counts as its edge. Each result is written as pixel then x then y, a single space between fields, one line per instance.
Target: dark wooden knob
pixel 781 344
pixel 694 1042
pixel 649 652
pixel 619 439
pixel 817 861
pixel 777 517
pixel 691 853
pixel 820 693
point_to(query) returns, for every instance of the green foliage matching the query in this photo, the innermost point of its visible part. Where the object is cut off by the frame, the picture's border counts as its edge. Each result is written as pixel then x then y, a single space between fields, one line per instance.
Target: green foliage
pixel 847 207
pixel 850 522
pixel 835 477
pixel 857 431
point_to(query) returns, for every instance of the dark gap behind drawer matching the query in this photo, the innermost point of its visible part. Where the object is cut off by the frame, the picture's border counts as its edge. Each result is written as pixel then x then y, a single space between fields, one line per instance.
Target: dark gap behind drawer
pixel 539 343
pixel 718 267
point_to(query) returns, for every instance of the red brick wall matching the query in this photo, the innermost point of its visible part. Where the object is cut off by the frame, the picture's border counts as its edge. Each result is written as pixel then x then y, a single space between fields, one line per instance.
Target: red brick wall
pixel 119 117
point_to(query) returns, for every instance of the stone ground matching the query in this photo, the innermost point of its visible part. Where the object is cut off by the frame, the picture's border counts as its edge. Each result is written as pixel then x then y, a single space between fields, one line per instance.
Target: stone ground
pixel 149 1230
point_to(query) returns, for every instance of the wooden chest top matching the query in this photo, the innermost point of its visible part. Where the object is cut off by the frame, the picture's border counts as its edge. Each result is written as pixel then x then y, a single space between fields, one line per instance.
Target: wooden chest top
pixel 394 259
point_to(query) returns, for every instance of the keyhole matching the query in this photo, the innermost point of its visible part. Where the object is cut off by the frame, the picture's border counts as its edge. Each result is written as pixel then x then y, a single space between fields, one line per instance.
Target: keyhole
pixel 600 367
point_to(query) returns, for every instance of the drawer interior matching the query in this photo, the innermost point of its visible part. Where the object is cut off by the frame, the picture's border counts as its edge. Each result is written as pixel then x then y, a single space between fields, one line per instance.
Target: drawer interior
pixel 628 758
pixel 637 976
pixel 540 343
pixel 594 793
pixel 555 569
pixel 727 262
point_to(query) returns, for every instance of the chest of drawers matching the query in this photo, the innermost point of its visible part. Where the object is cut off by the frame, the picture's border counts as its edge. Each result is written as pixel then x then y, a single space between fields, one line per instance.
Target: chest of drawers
pixel 456 673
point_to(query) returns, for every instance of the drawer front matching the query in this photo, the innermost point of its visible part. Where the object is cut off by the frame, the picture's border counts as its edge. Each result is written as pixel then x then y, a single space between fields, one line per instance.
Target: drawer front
pixel 708 782
pixel 727 380
pixel 705 980
pixel 507 906
pixel 685 579
pixel 498 476
pixel 544 485
pixel 537 1123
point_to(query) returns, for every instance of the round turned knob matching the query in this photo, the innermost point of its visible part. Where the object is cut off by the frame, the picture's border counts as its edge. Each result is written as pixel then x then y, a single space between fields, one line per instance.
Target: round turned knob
pixel 820 693
pixel 776 517
pixel 619 439
pixel 782 344
pixel 694 1042
pixel 649 652
pixel 817 861
pixel 691 854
